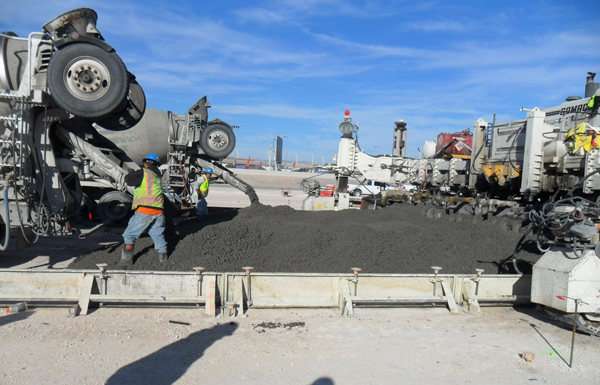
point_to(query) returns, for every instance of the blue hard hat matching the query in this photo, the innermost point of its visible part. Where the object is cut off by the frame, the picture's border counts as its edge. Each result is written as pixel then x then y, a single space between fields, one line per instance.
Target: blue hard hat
pixel 208 170
pixel 153 157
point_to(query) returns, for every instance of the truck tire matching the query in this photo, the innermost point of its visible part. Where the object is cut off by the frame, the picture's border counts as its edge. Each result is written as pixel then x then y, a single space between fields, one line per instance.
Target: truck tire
pixel 114 208
pixel 86 80
pixel 505 224
pixel 517 225
pixel 86 208
pixel 357 193
pixel 217 140
pixel 439 214
pixel 431 213
pixel 130 110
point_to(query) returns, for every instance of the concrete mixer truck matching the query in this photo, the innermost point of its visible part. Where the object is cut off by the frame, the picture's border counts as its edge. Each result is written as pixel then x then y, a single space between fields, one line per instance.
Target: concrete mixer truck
pixel 74 122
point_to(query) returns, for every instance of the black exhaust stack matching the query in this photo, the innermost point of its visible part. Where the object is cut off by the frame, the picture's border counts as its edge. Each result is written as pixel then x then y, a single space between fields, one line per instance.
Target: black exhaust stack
pixel 590 86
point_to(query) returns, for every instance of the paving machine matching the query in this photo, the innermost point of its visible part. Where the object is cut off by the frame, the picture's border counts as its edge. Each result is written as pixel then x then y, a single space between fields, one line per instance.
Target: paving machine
pixel 74 122
pixel 539 176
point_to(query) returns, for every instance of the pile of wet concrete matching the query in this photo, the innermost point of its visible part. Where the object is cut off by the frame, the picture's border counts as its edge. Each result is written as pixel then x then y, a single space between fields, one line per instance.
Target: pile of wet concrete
pixel 396 239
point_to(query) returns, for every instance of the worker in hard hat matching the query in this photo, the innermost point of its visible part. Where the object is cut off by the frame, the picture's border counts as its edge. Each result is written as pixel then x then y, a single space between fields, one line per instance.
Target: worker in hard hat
pixel 148 203
pixel 201 187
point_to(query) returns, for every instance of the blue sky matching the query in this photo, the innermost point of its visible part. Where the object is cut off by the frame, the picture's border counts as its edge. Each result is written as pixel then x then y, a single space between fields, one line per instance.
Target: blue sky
pixel 292 67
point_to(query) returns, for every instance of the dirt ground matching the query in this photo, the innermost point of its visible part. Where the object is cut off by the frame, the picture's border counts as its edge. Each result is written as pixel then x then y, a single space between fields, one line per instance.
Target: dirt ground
pixel 377 346
pixel 395 239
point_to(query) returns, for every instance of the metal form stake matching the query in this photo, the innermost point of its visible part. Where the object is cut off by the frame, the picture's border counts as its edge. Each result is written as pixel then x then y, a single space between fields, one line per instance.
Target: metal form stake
pixel 231 309
pixel 199 275
pixel 469 303
pixel 248 270
pixel 103 277
pixel 225 294
pixel 436 270
pixel 574 332
pixel 477 279
pixel 356 270
pixel 577 302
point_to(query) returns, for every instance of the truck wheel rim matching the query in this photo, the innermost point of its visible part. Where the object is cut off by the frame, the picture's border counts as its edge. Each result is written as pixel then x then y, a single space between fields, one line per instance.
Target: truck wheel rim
pixel 218 140
pixel 117 210
pixel 87 78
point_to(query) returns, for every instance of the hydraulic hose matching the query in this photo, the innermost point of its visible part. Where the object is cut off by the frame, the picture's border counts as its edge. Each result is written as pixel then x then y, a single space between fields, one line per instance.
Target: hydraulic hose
pixel 513 257
pixel 4 246
pixel 175 197
pixel 581 180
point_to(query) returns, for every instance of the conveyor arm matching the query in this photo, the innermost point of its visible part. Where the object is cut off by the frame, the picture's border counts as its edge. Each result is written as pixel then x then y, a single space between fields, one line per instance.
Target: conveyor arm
pixel 229 178
pixel 116 172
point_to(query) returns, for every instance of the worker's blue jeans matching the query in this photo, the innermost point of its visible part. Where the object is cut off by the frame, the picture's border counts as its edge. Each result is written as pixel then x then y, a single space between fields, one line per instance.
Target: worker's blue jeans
pixel 202 206
pixel 139 223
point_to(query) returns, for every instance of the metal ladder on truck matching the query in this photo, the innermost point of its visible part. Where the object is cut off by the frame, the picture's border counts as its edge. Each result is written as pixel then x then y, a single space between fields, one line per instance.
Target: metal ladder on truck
pixel 183 129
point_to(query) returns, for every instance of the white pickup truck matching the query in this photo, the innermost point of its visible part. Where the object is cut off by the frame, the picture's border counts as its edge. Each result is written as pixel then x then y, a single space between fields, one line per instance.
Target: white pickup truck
pixel 367 188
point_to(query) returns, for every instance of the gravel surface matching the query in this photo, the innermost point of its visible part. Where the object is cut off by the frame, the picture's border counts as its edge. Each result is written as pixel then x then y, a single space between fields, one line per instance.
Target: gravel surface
pixel 295 346
pixel 396 239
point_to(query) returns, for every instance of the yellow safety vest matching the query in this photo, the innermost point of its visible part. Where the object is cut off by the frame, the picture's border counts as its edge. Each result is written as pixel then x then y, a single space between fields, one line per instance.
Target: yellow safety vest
pixel 149 193
pixel 203 188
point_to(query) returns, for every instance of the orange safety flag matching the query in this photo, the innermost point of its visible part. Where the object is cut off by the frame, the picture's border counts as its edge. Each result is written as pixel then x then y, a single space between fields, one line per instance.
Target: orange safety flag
pixel 294 165
pixel 248 164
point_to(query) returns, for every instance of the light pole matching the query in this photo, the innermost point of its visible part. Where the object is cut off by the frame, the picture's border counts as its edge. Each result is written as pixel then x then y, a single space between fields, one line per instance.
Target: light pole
pixel 286 149
pixel 334 161
pixel 312 160
pixel 270 151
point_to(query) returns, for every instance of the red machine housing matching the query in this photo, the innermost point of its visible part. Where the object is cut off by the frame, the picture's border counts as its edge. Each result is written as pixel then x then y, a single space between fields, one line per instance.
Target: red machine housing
pixel 327 191
pixel 462 146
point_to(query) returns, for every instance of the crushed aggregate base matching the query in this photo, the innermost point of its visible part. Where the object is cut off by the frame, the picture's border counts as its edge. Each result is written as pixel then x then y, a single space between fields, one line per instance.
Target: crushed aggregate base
pixel 395 239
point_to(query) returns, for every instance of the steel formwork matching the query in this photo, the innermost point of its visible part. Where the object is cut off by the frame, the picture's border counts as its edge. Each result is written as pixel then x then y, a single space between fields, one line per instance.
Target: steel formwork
pixel 233 294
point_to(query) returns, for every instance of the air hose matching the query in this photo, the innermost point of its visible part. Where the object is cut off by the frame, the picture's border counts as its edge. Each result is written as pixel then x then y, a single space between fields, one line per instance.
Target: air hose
pixel 175 197
pixel 513 257
pixel 4 246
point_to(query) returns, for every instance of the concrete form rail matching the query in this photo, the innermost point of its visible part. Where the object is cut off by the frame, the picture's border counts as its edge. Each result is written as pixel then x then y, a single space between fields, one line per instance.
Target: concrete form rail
pixel 232 294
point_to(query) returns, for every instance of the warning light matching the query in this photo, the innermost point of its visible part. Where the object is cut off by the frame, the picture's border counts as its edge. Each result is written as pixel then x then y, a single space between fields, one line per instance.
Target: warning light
pixel 561 298
pixel 90 215
pixel 347 112
pixel 68 225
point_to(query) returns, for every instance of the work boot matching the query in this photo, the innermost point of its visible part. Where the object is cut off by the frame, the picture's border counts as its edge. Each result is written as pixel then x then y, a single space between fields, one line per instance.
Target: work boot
pixel 126 256
pixel 162 257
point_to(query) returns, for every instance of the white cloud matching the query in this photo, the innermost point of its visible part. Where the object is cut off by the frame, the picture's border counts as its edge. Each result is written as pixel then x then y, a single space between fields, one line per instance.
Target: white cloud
pixel 474 54
pixel 261 16
pixel 279 111
pixel 437 26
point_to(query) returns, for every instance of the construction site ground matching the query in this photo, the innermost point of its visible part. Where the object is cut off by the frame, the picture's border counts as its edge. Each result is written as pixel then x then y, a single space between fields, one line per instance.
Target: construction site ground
pixel 376 346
